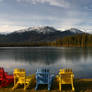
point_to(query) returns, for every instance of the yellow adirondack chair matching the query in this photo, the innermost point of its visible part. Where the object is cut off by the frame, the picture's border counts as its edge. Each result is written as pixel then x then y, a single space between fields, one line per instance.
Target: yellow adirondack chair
pixel 65 76
pixel 20 78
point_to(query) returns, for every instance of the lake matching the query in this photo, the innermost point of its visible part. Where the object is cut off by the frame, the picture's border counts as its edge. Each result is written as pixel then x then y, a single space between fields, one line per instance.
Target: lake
pixel 54 58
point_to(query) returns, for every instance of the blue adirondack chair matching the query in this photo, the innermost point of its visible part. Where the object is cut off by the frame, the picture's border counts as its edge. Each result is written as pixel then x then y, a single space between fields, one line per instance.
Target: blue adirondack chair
pixel 43 76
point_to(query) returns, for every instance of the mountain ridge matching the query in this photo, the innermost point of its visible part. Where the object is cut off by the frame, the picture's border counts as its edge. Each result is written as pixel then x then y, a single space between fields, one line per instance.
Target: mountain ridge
pixel 37 34
pixel 47 29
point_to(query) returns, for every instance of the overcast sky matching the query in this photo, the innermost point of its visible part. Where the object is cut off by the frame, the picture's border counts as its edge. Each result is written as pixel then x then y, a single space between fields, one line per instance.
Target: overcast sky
pixel 61 14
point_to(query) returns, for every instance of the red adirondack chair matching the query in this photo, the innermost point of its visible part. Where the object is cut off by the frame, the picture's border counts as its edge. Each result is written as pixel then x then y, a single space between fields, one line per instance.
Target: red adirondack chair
pixel 5 79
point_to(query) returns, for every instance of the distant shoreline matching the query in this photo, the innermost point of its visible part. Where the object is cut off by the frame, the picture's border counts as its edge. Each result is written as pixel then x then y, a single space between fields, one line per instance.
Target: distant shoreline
pixel 13 45
pixel 81 40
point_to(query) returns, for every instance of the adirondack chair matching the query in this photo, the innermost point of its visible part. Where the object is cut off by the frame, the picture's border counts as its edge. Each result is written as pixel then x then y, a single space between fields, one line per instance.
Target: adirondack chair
pixel 65 76
pixel 5 79
pixel 43 76
pixel 20 78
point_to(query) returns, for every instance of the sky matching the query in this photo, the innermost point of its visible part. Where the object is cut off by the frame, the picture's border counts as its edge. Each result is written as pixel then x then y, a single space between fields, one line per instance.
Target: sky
pixel 60 14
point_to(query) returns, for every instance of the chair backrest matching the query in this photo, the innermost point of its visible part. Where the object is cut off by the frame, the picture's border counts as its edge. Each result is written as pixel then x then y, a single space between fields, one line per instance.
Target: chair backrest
pixel 65 71
pixel 2 73
pixel 42 75
pixel 66 75
pixel 19 74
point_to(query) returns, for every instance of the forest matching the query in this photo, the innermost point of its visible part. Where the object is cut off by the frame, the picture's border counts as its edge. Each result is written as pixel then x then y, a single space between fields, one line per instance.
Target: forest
pixel 79 40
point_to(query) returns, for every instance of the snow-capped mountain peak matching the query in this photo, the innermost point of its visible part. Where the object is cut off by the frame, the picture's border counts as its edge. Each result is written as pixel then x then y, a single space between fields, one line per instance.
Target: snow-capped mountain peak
pixel 76 31
pixel 44 30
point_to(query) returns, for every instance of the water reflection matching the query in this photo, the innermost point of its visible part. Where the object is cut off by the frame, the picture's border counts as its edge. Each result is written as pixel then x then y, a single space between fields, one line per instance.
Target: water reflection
pixel 78 59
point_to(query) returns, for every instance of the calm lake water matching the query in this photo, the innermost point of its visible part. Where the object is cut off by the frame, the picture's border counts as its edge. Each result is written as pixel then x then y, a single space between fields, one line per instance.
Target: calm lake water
pixel 31 58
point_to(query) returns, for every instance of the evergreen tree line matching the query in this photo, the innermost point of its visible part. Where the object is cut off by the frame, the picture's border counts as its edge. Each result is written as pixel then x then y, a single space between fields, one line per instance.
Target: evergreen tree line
pixel 80 40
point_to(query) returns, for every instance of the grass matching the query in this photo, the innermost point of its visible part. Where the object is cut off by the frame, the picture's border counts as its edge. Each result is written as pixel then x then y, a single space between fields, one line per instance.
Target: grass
pixel 81 85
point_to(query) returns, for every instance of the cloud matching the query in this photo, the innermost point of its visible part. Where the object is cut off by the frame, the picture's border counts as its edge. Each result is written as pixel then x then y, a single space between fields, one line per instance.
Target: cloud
pixel 58 3
pixel 9 28
pixel 32 15
pixel 1 0
pixel 74 23
pixel 86 28
pixel 88 8
pixel 71 20
pixel 69 23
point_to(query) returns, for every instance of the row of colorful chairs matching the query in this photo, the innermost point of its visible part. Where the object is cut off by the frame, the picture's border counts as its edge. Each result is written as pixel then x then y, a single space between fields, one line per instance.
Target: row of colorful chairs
pixel 43 76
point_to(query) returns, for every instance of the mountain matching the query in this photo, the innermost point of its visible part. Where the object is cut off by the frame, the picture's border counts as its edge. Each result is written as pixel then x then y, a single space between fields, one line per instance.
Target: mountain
pixel 37 34
pixel 43 30
pixel 75 31
pixel 50 30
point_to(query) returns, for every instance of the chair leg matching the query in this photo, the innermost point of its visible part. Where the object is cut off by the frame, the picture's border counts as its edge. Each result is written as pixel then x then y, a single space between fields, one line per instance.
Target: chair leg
pixel 73 87
pixel 60 86
pixel 36 87
pixel 49 86
pixel 15 86
pixel 25 86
